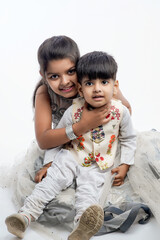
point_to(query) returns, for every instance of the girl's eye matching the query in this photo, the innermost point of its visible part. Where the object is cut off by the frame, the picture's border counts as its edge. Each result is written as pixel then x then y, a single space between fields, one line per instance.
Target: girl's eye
pixel 104 82
pixel 89 84
pixel 54 76
pixel 71 71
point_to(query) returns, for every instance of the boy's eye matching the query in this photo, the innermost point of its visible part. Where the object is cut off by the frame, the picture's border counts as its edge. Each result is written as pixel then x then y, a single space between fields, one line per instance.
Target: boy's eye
pixel 71 71
pixel 104 82
pixel 88 83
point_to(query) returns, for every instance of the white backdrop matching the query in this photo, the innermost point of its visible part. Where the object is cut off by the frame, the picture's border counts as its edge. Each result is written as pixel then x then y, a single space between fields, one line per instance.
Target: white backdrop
pixel 127 29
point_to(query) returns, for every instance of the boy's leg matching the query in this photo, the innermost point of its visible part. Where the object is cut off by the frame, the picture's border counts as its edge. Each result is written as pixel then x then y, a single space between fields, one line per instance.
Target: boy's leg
pixel 89 214
pixel 90 184
pixel 89 223
pixel 59 177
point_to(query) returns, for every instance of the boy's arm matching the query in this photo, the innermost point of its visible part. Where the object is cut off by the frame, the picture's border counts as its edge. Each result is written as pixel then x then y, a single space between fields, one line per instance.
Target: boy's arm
pixel 127 138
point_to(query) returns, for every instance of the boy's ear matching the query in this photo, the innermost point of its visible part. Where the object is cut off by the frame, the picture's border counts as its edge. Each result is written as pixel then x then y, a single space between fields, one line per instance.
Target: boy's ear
pixel 80 90
pixel 115 89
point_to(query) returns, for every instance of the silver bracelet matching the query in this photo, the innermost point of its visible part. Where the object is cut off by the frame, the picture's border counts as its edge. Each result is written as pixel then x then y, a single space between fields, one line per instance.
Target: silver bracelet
pixel 69 132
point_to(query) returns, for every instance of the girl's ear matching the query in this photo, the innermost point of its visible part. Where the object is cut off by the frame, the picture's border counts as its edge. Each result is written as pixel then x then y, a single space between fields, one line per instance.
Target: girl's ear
pixel 41 73
pixel 80 90
pixel 115 88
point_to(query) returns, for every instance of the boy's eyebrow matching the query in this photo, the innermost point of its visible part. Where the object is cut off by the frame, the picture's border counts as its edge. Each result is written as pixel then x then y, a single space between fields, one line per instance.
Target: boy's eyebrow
pixel 86 80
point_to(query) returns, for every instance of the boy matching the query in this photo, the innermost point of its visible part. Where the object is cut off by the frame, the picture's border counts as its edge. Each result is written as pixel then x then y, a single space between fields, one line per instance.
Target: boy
pixel 88 158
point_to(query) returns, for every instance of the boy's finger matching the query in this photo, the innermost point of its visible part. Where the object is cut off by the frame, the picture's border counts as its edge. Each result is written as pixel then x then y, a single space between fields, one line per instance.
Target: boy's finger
pixel 118 184
pixel 114 170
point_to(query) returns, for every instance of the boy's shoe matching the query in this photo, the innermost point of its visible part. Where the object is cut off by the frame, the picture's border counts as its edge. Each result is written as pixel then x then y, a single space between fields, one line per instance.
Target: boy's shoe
pixel 89 224
pixel 17 224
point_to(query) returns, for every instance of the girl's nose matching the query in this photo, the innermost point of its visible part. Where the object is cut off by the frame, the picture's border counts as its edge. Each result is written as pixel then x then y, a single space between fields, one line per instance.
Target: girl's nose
pixel 64 80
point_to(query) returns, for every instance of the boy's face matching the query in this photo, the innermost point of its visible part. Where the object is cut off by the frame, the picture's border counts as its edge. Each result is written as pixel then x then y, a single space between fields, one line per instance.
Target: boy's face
pixel 98 92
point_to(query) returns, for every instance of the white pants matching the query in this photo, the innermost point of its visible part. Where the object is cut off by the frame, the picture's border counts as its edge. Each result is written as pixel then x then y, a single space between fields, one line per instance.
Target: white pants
pixel 90 182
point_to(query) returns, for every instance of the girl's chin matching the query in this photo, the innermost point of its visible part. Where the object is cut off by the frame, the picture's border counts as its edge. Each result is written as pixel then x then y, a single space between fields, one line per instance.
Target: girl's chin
pixel 71 94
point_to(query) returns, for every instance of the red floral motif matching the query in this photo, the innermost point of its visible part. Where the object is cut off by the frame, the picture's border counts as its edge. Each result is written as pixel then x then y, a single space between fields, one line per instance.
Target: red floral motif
pixel 80 144
pixel 99 158
pixel 77 114
pixel 88 160
pixel 115 113
pixel 111 141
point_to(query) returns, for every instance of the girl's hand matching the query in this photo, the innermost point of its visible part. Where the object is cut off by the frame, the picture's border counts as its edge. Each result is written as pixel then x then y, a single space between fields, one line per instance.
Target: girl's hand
pixel 92 119
pixel 42 173
pixel 121 172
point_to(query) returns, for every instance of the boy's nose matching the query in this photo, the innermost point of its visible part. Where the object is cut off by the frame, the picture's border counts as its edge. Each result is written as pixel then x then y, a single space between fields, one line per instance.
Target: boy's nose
pixel 97 88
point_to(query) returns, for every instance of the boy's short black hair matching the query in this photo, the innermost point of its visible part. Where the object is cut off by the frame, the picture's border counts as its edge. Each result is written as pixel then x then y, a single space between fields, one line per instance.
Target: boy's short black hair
pixel 95 65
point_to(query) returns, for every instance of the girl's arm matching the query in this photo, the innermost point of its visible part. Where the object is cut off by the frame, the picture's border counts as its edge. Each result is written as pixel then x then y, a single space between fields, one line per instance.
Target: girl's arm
pixel 124 101
pixel 48 137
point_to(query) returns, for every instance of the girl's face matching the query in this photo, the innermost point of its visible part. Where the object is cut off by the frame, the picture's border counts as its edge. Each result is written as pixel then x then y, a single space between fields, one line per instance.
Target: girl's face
pixel 62 78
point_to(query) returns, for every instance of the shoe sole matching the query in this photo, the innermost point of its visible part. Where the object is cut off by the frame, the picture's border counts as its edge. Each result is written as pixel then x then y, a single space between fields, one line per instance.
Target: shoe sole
pixel 89 224
pixel 16 225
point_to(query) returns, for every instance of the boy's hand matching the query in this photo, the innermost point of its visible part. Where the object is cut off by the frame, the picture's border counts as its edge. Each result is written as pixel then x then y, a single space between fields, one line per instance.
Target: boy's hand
pixel 121 172
pixel 42 173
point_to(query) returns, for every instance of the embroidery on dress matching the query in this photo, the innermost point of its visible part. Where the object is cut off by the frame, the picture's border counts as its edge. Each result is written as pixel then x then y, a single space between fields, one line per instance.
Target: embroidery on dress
pixel 97 134
pixel 115 114
pixel 81 140
pixel 78 113
pixel 88 160
pixel 100 161
pixel 111 141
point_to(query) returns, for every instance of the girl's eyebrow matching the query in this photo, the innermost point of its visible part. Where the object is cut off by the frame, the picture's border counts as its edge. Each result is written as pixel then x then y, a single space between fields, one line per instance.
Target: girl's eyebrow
pixel 53 73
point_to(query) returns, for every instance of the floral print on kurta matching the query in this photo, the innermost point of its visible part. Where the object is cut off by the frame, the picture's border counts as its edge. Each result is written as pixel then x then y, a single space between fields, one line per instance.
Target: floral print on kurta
pixel 88 160
pixel 81 143
pixel 100 144
pixel 111 141
pixel 77 114
pixel 97 134
pixel 115 113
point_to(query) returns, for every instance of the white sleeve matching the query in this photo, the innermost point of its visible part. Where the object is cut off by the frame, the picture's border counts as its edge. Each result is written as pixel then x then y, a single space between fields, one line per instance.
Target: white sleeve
pixel 65 121
pixel 127 138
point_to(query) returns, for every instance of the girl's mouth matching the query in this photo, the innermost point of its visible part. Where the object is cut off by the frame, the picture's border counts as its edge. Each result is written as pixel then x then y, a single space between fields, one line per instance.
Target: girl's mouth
pixel 67 89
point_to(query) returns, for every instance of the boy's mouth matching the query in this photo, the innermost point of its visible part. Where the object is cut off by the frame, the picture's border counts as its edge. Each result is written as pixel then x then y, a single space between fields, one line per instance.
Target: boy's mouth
pixel 98 98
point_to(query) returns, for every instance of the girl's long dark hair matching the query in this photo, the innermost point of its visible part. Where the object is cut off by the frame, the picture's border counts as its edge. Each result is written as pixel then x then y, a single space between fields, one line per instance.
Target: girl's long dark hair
pixel 55 48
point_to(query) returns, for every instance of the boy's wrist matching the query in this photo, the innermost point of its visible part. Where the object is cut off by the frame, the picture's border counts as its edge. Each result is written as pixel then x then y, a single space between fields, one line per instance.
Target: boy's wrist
pixel 47 165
